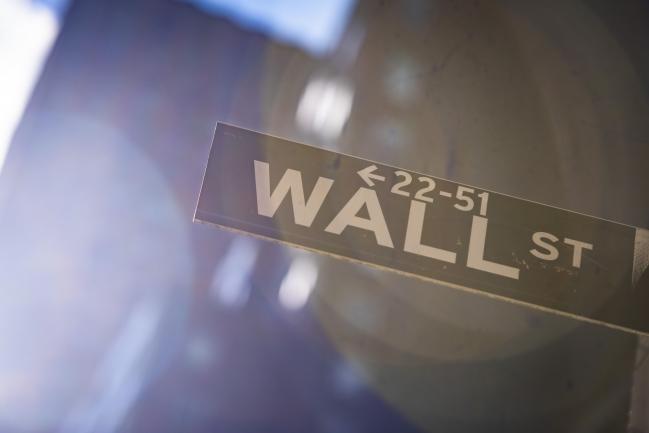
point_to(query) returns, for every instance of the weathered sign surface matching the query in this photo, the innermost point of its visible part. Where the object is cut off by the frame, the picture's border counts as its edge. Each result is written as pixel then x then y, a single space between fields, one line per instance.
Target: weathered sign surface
pixel 463 236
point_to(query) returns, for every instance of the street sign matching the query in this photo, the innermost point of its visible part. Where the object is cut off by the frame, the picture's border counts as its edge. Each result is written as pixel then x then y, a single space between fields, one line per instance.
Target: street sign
pixel 423 226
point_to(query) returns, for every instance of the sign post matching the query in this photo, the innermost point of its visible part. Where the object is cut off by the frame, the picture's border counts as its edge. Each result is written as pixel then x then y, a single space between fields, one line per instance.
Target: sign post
pixel 466 237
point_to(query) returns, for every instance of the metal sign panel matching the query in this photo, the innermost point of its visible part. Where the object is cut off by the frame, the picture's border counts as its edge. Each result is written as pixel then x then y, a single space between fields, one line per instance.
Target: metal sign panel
pixel 466 237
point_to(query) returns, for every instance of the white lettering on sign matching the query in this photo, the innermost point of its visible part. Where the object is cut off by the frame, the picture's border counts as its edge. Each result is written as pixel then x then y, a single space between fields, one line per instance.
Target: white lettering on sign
pixel 539 238
pixel 367 174
pixel 476 258
pixel 348 216
pixel 413 236
pixel 579 246
pixel 546 241
pixel 304 212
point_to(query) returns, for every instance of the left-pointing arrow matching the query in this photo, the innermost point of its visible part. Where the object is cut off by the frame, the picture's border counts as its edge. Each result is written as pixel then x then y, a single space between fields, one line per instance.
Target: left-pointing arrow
pixel 367 174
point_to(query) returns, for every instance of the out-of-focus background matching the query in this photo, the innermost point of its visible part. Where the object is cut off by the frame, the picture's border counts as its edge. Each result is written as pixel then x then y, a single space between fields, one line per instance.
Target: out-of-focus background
pixel 118 314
